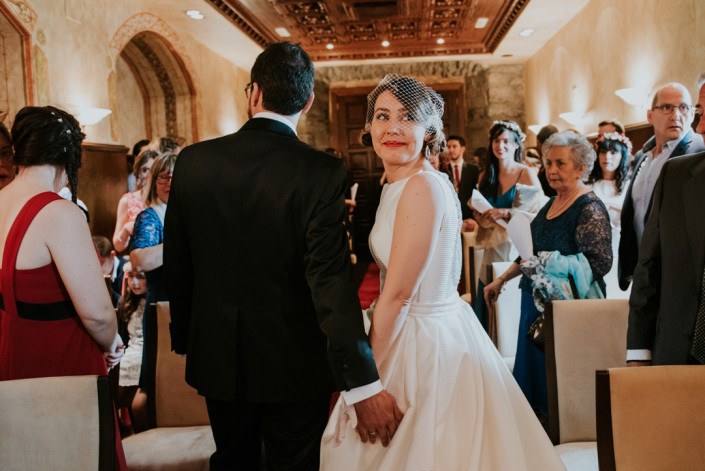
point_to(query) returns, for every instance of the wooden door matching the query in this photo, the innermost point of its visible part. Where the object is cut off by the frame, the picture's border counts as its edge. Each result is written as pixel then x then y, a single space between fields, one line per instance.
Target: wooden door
pixel 349 109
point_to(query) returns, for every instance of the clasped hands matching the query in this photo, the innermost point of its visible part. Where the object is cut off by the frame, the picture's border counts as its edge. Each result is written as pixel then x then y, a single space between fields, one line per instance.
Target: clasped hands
pixel 113 357
pixel 378 417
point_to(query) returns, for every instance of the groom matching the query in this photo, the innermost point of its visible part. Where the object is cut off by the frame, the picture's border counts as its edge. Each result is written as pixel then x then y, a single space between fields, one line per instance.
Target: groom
pixel 258 275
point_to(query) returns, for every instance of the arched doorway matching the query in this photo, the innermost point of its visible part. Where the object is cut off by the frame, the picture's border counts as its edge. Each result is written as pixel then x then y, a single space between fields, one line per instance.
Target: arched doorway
pixel 152 89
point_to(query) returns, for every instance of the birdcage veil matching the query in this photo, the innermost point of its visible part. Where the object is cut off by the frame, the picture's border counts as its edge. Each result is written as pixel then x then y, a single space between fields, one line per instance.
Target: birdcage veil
pixel 423 105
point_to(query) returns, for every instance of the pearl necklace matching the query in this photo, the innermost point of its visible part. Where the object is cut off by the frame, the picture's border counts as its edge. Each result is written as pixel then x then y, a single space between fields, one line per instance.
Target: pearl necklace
pixel 555 211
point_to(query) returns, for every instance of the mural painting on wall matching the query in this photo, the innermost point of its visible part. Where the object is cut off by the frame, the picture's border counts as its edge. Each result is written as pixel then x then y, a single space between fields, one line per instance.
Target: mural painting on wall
pixel 159 63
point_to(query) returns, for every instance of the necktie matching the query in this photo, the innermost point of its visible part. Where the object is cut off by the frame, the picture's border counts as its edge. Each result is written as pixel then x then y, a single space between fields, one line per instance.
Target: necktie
pixel 698 347
pixel 456 171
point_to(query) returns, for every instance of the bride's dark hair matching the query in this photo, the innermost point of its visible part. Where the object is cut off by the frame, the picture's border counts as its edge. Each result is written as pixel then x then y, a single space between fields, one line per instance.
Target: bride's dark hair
pixel 48 136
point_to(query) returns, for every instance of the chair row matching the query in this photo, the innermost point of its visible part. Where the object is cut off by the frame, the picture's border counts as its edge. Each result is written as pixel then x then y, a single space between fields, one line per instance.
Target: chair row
pixel 68 423
pixel 604 416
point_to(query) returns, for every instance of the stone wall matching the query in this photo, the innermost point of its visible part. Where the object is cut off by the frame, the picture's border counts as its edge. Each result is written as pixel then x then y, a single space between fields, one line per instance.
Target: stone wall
pixel 491 92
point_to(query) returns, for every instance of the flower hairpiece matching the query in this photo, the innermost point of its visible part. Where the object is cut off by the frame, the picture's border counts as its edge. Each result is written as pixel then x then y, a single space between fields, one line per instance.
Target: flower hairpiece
pixel 513 126
pixel 614 136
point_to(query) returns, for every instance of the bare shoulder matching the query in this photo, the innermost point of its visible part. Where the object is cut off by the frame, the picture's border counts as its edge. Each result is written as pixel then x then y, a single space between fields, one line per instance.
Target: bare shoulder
pixel 528 176
pixel 61 215
pixel 423 185
pixel 422 195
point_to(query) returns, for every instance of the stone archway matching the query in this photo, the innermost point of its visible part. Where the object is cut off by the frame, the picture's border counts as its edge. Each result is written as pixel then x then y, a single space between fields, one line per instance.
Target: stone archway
pixel 152 87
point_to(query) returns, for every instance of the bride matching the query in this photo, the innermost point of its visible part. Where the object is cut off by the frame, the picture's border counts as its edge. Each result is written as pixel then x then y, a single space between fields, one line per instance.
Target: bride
pixel 462 408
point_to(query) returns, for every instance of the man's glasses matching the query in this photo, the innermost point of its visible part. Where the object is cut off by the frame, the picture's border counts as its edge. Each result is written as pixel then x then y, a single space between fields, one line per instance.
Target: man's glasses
pixel 668 108
pixel 248 88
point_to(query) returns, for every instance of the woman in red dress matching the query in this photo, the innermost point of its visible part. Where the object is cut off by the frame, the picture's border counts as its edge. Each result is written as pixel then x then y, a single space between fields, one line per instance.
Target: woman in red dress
pixel 56 318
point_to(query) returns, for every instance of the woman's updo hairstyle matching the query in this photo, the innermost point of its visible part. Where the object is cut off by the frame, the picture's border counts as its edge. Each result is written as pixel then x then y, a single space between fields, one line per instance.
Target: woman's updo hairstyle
pixel 44 135
pixel 422 102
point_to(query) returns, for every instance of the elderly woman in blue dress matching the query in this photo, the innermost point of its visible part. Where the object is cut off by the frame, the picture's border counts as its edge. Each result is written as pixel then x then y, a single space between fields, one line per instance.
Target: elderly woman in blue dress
pixel 572 239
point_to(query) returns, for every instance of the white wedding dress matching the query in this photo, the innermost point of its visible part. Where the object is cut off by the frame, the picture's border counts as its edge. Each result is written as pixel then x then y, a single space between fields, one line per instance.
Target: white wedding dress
pixel 462 408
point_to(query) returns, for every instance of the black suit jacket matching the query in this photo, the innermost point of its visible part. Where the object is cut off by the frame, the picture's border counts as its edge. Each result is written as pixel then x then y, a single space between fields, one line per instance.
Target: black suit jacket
pixel 628 243
pixel 468 182
pixel 668 276
pixel 257 269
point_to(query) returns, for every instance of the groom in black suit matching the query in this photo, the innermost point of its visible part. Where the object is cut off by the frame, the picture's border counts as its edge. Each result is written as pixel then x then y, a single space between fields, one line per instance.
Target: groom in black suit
pixel 258 271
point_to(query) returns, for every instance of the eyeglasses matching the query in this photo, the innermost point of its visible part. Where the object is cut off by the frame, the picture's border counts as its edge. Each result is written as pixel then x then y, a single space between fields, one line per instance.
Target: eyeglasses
pixel 164 177
pixel 248 88
pixel 668 108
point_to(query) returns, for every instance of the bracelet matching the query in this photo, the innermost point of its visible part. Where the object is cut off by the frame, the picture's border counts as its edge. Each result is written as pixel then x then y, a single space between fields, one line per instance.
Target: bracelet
pixel 500 278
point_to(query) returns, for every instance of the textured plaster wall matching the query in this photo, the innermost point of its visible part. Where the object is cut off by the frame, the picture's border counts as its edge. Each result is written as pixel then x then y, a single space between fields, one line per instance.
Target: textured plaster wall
pixel 130 111
pixel 72 38
pixel 611 45
pixel 494 92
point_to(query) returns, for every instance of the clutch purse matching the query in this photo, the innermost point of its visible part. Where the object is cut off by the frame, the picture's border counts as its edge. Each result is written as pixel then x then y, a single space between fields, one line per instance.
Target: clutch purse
pixel 535 334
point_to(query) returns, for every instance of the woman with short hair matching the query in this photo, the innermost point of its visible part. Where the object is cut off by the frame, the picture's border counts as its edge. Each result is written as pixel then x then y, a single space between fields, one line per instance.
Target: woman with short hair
pixel 572 228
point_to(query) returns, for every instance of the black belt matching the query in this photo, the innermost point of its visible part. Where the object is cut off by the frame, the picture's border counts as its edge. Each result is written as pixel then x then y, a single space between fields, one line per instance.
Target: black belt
pixel 43 312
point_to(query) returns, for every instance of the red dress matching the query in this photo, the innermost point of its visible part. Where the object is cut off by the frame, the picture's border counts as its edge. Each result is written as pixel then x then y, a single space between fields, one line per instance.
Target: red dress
pixel 40 331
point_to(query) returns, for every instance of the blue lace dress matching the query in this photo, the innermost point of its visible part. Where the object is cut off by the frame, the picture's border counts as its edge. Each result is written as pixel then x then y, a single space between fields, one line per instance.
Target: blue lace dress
pixel 583 228
pixel 148 232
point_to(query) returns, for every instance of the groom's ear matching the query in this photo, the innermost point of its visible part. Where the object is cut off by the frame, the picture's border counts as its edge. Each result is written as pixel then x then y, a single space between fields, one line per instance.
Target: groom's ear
pixel 309 103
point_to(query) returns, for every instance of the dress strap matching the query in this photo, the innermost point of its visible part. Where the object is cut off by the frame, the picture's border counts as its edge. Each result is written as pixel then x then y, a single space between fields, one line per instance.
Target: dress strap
pixel 14 240
pixel 519 177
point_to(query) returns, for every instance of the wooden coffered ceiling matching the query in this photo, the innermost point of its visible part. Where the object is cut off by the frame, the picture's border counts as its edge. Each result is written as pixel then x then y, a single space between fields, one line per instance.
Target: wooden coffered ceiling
pixel 356 29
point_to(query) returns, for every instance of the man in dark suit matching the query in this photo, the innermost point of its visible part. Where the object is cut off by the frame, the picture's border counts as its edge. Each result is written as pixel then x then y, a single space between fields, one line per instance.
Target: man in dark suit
pixel 671 114
pixel 666 300
pixel 258 272
pixel 464 177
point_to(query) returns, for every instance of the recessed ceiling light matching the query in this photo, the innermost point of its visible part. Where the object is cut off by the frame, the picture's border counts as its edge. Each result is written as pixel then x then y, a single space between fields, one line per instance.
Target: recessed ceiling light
pixel 195 14
pixel 329 46
pixel 282 32
pixel 385 43
pixel 481 22
pixel 525 33
pixel 440 41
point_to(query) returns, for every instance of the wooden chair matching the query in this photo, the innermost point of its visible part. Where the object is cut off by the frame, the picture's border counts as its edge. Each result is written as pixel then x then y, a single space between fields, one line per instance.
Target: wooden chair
pixel 470 265
pixel 182 438
pixel 504 318
pixel 58 423
pixel 651 418
pixel 581 336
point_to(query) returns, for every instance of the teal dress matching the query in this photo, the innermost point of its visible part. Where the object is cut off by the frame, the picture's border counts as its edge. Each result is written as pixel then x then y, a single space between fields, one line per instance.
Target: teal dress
pixel 504 200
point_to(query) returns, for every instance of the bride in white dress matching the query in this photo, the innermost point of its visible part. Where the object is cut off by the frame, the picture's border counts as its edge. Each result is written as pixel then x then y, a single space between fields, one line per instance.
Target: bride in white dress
pixel 462 408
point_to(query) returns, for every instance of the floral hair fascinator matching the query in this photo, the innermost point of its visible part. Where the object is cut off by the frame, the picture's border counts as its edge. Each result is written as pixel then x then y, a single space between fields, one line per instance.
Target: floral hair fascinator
pixel 513 126
pixel 614 136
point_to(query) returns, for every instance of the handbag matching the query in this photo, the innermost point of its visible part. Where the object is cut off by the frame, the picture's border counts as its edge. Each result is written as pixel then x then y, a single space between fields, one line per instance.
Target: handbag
pixel 535 334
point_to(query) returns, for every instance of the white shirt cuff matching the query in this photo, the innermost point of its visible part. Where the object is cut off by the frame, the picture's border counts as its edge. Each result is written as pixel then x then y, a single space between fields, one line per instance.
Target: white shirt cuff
pixel 361 393
pixel 639 355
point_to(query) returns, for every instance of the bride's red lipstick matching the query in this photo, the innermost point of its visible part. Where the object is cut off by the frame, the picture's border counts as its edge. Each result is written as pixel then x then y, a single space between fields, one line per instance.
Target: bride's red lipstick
pixel 393 144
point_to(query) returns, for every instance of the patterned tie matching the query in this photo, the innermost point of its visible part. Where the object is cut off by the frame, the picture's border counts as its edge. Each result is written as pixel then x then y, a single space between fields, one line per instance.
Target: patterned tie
pixel 698 347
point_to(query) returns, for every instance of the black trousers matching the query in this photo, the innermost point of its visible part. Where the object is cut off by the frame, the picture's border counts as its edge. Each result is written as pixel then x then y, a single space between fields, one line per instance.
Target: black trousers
pixel 290 433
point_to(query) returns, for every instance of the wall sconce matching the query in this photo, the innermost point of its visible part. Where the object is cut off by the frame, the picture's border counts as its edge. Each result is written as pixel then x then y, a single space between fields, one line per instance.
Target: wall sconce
pixel 633 96
pixel 88 116
pixel 573 118
pixel 535 128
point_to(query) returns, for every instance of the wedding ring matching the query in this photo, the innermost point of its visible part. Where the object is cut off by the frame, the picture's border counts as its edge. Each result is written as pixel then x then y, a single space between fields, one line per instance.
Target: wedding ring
pixel 373 434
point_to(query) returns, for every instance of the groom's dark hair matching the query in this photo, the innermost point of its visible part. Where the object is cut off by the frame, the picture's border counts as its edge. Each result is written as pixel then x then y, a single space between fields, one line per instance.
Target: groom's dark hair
pixel 284 73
